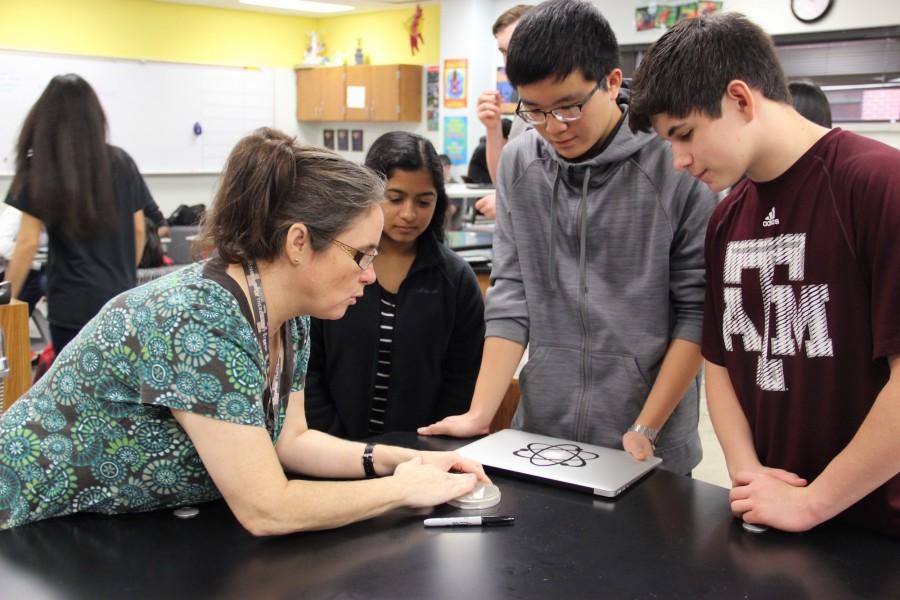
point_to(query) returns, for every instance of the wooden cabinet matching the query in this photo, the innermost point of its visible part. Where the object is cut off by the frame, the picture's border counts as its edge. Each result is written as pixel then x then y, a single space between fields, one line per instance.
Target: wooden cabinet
pixel 358 76
pixel 396 93
pixel 320 94
pixel 332 95
pixel 388 93
pixel 309 94
pixel 14 322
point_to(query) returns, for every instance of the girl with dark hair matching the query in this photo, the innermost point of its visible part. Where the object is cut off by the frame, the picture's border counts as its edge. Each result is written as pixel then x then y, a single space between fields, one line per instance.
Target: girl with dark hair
pixel 191 387
pixel 408 352
pixel 88 194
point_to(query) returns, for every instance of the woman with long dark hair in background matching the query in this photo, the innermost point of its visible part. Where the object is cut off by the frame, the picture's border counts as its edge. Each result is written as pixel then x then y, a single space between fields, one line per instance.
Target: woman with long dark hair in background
pixel 90 197
pixel 408 353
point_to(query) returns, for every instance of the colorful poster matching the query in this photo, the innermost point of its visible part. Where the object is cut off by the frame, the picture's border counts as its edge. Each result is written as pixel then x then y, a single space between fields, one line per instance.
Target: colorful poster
pixel 687 11
pixel 666 16
pixel 663 16
pixel 433 96
pixel 509 97
pixel 644 19
pixel 707 8
pixel 455 135
pixel 455 82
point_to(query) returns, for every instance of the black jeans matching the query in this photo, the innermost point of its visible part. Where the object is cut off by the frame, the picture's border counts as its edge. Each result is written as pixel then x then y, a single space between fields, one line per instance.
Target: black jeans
pixel 61 336
pixel 35 287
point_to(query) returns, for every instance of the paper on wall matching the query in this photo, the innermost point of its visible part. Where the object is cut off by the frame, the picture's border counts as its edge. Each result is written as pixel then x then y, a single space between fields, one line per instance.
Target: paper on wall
pixel 356 96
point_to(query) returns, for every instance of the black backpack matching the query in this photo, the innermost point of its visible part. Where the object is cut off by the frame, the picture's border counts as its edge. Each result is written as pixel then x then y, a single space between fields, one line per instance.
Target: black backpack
pixel 153 250
pixel 187 215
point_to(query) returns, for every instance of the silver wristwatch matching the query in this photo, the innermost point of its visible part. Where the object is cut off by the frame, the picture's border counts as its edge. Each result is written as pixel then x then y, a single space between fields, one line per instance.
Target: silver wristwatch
pixel 649 432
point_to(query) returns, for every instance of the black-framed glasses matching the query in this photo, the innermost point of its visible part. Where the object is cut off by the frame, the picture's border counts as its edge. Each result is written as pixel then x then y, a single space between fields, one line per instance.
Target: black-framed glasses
pixel 362 259
pixel 563 114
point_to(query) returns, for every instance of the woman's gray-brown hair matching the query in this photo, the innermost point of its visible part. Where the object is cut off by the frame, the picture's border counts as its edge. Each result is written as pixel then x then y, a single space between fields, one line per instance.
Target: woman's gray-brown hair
pixel 271 182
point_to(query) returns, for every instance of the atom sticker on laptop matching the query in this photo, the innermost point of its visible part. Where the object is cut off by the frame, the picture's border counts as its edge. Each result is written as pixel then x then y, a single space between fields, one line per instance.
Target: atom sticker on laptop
pixel 601 471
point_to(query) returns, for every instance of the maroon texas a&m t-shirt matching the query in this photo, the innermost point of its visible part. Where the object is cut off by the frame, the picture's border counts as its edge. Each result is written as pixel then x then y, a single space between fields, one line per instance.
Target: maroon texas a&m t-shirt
pixel 803 305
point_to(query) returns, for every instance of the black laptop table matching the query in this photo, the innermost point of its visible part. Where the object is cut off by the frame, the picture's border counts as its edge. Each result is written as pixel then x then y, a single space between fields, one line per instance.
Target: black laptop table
pixel 667 537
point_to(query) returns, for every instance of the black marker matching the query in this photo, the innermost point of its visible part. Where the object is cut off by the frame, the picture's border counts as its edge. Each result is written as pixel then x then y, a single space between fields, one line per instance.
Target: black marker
pixel 469 521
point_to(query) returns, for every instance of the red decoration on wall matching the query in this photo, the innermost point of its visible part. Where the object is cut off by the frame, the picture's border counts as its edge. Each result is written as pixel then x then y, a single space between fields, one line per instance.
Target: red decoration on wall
pixel 414 26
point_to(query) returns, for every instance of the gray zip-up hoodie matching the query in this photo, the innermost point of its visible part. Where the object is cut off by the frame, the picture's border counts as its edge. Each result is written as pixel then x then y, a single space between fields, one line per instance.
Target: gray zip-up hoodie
pixel 597 266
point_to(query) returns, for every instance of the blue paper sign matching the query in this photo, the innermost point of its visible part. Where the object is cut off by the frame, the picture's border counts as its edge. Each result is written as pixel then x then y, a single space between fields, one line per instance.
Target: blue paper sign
pixel 455 139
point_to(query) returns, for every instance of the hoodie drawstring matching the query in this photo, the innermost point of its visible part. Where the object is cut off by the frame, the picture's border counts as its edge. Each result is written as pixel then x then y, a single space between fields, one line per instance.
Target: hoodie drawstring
pixel 582 217
pixel 552 269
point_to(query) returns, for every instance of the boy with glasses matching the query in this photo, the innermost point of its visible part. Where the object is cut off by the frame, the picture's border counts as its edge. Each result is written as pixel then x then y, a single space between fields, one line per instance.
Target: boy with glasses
pixel 801 337
pixel 598 257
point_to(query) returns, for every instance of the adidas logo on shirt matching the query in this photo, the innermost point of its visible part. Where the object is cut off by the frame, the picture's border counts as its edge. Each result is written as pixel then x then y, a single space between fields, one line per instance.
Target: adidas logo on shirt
pixel 770 220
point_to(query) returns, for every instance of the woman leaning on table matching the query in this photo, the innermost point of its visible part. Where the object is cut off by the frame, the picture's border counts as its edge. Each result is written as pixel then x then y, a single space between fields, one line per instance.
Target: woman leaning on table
pixel 166 397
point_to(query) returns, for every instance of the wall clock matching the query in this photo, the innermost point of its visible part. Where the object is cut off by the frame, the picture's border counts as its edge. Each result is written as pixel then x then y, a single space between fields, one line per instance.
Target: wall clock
pixel 810 11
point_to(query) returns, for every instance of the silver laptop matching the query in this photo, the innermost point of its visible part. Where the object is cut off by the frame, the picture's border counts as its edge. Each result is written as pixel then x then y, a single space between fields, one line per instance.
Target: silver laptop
pixel 601 471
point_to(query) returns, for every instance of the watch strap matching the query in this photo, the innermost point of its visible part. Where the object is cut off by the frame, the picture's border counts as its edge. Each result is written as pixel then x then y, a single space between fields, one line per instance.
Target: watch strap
pixel 368 461
pixel 651 433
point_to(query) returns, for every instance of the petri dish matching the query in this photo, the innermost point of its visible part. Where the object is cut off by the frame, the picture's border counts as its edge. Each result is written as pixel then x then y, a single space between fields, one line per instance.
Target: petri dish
pixel 483 496
pixel 753 528
pixel 186 512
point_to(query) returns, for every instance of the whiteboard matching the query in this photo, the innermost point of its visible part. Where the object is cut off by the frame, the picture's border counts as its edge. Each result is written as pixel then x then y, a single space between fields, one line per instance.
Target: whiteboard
pixel 151 106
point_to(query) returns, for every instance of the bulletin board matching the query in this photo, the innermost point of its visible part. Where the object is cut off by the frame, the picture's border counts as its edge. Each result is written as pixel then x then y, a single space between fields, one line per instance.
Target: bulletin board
pixel 154 109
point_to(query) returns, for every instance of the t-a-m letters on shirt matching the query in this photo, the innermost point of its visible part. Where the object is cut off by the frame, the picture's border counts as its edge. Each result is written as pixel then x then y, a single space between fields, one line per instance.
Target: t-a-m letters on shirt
pixel 794 318
pixel 803 275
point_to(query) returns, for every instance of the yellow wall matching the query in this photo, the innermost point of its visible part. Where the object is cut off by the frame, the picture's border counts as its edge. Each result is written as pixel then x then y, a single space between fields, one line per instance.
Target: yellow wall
pixel 384 36
pixel 148 29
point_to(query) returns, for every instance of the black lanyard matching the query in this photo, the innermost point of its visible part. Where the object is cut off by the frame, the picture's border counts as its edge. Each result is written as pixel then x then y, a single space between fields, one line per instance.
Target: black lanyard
pixel 261 321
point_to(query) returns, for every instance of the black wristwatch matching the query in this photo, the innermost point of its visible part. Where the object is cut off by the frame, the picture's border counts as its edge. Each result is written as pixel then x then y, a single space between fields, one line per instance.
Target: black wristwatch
pixel 369 462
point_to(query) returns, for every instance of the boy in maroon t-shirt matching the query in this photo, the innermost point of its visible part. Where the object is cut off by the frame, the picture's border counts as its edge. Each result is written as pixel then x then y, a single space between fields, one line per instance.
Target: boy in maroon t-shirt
pixel 801 334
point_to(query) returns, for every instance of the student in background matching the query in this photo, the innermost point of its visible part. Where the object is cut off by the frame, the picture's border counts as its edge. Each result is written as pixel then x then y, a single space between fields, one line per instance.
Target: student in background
pixel 152 212
pixel 156 227
pixel 489 112
pixel 408 352
pixel 453 218
pixel 89 196
pixel 190 388
pixel 478 167
pixel 446 165
pixel 810 101
pixel 478 171
pixel 35 285
pixel 598 258
pixel 801 335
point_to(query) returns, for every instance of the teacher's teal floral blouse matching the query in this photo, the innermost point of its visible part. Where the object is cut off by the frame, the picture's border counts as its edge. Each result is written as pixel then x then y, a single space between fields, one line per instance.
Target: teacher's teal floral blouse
pixel 96 434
